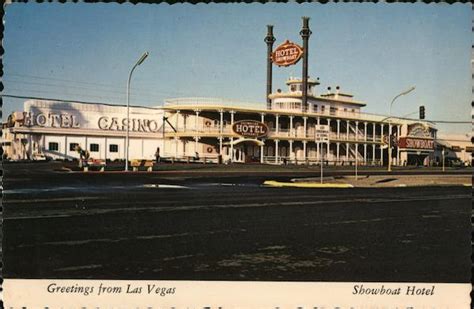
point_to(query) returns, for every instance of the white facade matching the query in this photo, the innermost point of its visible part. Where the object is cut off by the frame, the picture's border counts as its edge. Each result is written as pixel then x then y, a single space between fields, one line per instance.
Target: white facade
pixel 456 146
pixel 53 129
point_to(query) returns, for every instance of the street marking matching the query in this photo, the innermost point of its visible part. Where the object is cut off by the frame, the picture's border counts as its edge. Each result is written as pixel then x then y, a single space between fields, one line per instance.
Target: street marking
pixel 165 186
pixel 59 199
pixel 273 183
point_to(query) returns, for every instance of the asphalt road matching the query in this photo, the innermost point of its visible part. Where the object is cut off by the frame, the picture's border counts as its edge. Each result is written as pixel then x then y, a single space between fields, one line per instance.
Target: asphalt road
pixel 228 227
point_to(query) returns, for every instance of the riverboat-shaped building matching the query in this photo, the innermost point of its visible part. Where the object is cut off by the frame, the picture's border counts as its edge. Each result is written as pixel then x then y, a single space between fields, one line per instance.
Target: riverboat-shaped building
pixel 333 129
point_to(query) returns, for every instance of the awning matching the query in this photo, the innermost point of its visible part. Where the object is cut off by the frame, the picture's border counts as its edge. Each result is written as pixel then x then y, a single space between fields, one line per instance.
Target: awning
pixel 245 140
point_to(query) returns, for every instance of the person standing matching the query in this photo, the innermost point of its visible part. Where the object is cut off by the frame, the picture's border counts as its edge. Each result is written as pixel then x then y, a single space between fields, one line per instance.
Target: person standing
pixel 157 155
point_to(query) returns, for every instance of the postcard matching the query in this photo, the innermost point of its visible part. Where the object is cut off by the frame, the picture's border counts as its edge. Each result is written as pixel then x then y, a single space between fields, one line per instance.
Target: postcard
pixel 242 155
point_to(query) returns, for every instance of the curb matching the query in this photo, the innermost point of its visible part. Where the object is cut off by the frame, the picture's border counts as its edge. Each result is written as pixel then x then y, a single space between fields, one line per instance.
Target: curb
pixel 273 183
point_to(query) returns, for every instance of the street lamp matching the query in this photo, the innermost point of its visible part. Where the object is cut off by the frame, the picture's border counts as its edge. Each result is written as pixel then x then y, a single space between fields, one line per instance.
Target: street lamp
pixel 127 141
pixel 389 128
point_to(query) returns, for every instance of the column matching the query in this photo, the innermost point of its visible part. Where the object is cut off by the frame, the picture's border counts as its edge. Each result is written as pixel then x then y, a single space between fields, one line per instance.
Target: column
pixel 373 153
pixel 357 130
pixel 196 139
pixel 196 121
pixel 220 145
pixel 221 122
pixel 373 133
pixel 261 149
pixel 262 118
pixel 176 145
pixel 291 126
pixel 365 131
pixel 365 154
pixel 232 117
pixel 291 149
pixel 338 128
pixel 329 126
pixel 176 121
pixel 381 132
pixel 276 152
pixel 107 148
pixel 277 124
pixel 337 151
pixel 304 150
pixel 381 155
pixel 347 151
pixel 304 126
pixel 347 133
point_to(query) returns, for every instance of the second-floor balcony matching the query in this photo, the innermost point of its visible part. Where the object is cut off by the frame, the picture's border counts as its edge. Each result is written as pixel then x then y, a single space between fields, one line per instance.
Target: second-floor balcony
pixel 273 133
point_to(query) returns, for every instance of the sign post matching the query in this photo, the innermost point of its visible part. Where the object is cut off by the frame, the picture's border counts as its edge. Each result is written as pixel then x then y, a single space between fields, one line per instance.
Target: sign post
pixel 356 160
pixel 442 152
pixel 321 136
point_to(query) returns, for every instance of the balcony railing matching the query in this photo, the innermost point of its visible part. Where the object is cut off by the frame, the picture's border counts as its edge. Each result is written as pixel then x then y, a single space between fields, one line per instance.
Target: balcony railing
pixel 282 133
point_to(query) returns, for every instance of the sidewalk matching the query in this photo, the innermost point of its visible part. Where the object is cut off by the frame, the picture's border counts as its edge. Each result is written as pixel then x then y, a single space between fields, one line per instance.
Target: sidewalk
pixel 385 181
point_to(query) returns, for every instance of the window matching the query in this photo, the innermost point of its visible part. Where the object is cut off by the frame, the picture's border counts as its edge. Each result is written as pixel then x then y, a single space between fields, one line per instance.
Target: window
pixel 293 88
pixel 315 108
pixel 323 107
pixel 94 147
pixel 72 146
pixel 113 148
pixel 52 146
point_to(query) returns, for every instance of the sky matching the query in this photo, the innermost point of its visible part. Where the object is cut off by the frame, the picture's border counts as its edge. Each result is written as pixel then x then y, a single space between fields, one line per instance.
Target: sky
pixel 374 51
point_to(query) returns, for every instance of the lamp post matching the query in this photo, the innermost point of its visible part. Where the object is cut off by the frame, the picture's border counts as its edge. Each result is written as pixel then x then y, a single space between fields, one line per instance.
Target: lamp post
pixel 389 127
pixel 127 138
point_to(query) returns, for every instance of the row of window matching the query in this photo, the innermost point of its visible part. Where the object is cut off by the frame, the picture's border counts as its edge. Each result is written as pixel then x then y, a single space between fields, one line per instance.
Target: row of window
pixel 53 146
pixel 332 109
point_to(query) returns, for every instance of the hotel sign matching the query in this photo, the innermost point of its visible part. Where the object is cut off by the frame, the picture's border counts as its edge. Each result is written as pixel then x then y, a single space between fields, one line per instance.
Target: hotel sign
pixel 287 54
pixel 250 128
pixel 121 124
pixel 53 120
pixel 415 143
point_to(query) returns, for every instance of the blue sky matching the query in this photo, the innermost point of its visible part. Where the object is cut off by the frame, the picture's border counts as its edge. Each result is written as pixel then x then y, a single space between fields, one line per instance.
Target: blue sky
pixel 374 51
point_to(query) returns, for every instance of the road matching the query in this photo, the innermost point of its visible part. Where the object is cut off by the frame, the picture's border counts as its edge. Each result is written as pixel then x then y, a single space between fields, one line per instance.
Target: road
pixel 227 227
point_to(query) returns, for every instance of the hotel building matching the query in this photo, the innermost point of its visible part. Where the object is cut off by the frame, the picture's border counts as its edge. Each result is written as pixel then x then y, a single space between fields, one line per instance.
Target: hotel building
pixel 187 129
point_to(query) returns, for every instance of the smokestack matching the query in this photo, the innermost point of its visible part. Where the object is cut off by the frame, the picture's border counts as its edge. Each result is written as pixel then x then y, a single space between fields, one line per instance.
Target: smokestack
pixel 305 34
pixel 269 39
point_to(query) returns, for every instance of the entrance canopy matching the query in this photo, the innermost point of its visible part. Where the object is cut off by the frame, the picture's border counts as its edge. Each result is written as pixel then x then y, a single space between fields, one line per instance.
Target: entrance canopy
pixel 245 140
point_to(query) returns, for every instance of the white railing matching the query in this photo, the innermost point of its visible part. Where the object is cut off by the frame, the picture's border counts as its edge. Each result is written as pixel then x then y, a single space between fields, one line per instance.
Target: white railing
pixel 259 106
pixel 197 101
pixel 282 160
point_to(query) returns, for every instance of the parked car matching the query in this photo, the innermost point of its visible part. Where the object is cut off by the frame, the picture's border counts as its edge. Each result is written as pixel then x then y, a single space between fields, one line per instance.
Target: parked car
pixel 454 162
